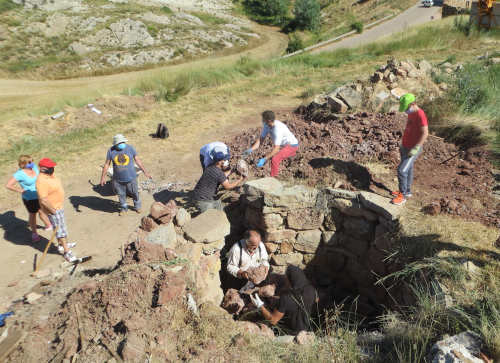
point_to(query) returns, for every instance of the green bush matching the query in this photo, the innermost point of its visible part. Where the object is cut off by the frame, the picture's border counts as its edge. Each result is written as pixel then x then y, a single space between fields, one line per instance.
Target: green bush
pixel 6 5
pixel 166 10
pixel 295 43
pixel 307 14
pixel 358 26
pixel 267 11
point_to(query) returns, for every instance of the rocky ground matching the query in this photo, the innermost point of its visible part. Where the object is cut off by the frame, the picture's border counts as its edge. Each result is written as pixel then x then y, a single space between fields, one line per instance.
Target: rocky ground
pixel 66 38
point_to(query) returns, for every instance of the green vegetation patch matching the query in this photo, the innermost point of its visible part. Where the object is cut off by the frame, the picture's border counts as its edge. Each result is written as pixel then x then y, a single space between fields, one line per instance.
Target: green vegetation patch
pixel 7 5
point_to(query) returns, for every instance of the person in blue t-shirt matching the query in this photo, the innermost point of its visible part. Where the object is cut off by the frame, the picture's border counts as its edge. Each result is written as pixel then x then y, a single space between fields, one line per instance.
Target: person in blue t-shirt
pixel 24 181
pixel 124 179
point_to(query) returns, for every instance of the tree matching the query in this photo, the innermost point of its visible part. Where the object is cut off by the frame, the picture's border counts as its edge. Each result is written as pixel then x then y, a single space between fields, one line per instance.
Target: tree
pixel 307 14
pixel 268 11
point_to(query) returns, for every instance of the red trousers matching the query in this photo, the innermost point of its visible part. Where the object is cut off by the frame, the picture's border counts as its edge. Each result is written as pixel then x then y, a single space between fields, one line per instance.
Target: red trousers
pixel 285 152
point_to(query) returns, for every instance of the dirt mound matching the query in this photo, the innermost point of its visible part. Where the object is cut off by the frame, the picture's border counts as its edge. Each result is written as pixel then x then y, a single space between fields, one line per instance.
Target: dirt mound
pixel 333 148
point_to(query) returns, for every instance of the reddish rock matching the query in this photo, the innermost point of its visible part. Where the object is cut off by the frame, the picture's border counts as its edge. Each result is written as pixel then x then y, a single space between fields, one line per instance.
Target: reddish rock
pixel 163 212
pixel 148 224
pixel 143 252
pixel 257 274
pixel 233 302
pixel 171 289
pixel 267 290
pixel 258 329
pixel 286 247
pixel 265 330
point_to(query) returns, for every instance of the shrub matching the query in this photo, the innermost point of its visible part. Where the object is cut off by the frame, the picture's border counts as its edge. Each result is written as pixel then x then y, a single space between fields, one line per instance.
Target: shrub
pixel 307 14
pixel 358 26
pixel 295 43
pixel 6 5
pixel 166 10
pixel 267 11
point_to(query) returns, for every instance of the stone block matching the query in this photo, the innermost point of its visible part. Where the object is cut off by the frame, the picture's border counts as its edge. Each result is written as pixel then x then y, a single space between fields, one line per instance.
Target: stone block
pixel 332 193
pixel 209 226
pixel 281 235
pixel 287 259
pixel 271 247
pixel 336 104
pixel 259 187
pixel 380 205
pixel 328 237
pixel 308 241
pixel 350 96
pixel 172 288
pixel 272 221
pixel 308 258
pixel 306 218
pixel 164 235
pixel 182 217
pixel 286 247
pixel 297 196
pixel 209 248
pixel 207 280
pixel 163 212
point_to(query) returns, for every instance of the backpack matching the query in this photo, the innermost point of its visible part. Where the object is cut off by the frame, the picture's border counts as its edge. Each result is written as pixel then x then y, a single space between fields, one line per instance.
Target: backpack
pixel 161 131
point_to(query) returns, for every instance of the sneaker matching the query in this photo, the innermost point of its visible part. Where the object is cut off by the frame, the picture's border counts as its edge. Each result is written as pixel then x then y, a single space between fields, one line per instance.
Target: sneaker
pixel 400 199
pixel 395 193
pixel 68 256
pixel 35 237
pixel 48 229
pixel 61 248
pixel 122 212
pixel 408 195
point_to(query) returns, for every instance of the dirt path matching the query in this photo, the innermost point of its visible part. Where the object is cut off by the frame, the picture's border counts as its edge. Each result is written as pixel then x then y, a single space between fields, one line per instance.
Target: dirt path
pixel 413 16
pixel 19 95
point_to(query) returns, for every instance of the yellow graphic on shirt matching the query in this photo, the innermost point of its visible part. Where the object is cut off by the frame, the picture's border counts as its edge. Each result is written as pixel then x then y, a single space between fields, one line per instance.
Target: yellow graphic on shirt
pixel 121 160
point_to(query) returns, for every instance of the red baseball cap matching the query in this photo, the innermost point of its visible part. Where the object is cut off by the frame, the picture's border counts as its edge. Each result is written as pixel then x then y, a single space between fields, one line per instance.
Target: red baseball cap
pixel 46 163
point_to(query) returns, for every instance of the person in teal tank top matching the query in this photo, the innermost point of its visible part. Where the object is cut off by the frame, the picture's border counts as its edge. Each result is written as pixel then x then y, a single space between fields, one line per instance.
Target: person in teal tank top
pixel 24 181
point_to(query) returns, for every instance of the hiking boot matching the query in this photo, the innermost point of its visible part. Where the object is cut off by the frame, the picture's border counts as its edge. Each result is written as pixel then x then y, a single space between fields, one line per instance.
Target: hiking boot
pixel 122 212
pixel 61 248
pixel 35 237
pixel 400 199
pixel 68 256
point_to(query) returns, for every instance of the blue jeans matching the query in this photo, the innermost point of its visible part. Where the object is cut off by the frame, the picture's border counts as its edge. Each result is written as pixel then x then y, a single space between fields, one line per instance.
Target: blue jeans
pixel 127 188
pixel 405 169
pixel 204 205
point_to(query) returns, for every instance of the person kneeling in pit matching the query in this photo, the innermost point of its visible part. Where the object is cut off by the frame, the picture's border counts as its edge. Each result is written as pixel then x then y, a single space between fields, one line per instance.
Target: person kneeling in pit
pixel 295 307
pixel 248 260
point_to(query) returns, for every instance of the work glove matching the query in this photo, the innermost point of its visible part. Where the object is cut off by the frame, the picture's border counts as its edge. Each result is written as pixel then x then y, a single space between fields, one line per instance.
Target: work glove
pixel 261 162
pixel 256 301
pixel 414 151
pixel 247 152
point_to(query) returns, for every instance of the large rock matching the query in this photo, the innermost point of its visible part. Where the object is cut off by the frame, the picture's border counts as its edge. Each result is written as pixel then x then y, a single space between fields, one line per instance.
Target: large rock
pixel 182 217
pixel 272 221
pixel 288 259
pixel 172 287
pixel 307 218
pixel 257 274
pixel 297 196
pixel 259 187
pixel 308 241
pixel 233 302
pixel 380 205
pixel 164 235
pixel 464 347
pixel 350 96
pixel 210 226
pixel 281 235
pixel 207 280
pixel 336 104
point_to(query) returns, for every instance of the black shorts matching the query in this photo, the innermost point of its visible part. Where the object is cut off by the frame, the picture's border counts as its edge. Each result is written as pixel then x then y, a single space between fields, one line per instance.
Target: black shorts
pixel 33 206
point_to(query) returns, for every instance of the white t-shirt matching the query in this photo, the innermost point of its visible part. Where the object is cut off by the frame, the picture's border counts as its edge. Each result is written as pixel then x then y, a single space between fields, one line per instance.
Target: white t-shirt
pixel 209 149
pixel 280 134
pixel 259 257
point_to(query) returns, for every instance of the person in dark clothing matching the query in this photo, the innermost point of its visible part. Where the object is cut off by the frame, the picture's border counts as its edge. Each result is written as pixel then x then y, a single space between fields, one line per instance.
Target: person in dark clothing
pixel 294 307
pixel 214 175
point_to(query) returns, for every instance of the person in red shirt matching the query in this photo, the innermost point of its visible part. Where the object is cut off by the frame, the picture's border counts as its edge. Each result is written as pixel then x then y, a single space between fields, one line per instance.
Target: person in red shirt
pixel 414 137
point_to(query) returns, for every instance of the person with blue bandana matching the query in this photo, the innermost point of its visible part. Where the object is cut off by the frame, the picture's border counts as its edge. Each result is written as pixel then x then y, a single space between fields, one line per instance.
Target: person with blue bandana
pixel 124 181
pixel 24 182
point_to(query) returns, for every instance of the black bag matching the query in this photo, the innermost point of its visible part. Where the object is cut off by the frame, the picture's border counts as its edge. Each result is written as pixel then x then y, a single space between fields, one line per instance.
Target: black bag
pixel 161 131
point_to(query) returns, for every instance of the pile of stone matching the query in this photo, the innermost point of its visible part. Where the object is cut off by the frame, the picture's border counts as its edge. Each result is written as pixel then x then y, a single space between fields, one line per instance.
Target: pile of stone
pixel 340 237
pixel 395 78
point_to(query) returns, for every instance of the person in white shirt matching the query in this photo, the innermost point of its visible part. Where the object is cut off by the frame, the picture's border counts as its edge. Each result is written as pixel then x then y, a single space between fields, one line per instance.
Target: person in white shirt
pixel 246 253
pixel 285 143
pixel 208 151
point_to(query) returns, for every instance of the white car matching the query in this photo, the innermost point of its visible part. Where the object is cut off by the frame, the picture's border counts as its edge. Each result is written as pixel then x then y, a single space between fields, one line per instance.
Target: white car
pixel 427 3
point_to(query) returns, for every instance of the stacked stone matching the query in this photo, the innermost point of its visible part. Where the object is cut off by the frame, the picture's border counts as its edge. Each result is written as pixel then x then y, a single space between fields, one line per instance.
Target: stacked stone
pixel 340 237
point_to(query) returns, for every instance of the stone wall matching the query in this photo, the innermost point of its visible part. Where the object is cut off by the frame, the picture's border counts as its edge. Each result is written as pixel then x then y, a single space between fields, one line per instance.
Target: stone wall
pixel 340 237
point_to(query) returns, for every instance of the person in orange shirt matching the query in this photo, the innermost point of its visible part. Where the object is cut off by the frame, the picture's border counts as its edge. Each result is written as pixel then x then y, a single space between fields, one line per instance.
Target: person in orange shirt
pixel 51 197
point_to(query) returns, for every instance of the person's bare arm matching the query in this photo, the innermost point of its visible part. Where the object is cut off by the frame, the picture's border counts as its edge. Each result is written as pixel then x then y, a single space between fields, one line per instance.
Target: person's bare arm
pixel 12 185
pixel 47 206
pixel 423 137
pixel 276 149
pixel 139 164
pixel 273 317
pixel 228 185
pixel 104 171
pixel 256 144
